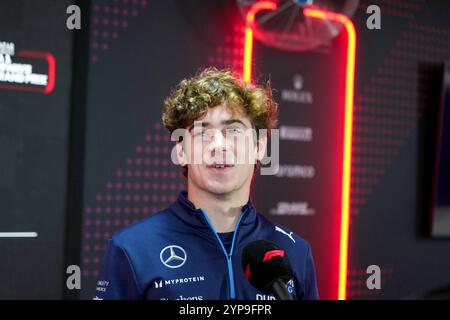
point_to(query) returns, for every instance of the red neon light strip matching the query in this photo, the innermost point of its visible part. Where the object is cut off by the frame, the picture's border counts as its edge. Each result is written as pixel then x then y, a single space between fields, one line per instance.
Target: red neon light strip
pixel 348 125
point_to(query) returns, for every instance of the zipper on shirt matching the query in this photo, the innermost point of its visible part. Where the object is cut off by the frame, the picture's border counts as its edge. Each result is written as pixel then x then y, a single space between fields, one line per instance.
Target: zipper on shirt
pixel 232 293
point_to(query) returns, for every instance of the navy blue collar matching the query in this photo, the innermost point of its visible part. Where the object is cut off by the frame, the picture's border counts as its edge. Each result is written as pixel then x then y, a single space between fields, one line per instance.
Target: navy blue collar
pixel 186 211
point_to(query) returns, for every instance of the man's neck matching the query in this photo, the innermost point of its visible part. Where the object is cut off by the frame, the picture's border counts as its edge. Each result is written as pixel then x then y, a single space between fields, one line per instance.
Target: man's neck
pixel 223 210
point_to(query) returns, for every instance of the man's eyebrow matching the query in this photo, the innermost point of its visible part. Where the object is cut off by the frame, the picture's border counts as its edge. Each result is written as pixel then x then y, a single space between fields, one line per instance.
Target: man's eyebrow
pixel 231 121
pixel 204 124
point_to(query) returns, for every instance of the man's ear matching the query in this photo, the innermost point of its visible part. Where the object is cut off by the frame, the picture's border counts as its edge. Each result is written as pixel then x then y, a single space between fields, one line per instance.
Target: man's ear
pixel 262 146
pixel 181 155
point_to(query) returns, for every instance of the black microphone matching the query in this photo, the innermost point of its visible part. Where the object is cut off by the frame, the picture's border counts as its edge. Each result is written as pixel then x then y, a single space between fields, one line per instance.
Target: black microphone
pixel 267 267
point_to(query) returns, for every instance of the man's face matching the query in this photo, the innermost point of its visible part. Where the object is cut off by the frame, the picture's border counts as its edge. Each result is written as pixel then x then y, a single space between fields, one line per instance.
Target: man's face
pixel 221 152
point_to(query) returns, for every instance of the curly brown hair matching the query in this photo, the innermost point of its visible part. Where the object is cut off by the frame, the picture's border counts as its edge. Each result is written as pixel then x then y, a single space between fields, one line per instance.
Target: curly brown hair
pixel 212 87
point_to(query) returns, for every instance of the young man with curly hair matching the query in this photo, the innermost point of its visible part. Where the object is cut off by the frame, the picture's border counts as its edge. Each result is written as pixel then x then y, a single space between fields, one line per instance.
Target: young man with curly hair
pixel 193 248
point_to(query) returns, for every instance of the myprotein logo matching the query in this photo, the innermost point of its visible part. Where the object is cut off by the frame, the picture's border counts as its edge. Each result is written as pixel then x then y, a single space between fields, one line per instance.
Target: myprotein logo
pixel 177 281
pixel 173 256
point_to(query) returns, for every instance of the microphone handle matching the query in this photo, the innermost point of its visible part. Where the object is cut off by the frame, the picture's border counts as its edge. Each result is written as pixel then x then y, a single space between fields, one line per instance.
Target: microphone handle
pixel 280 291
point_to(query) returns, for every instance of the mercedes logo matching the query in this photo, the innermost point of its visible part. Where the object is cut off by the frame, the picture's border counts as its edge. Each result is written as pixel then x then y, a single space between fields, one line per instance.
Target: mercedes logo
pixel 173 256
